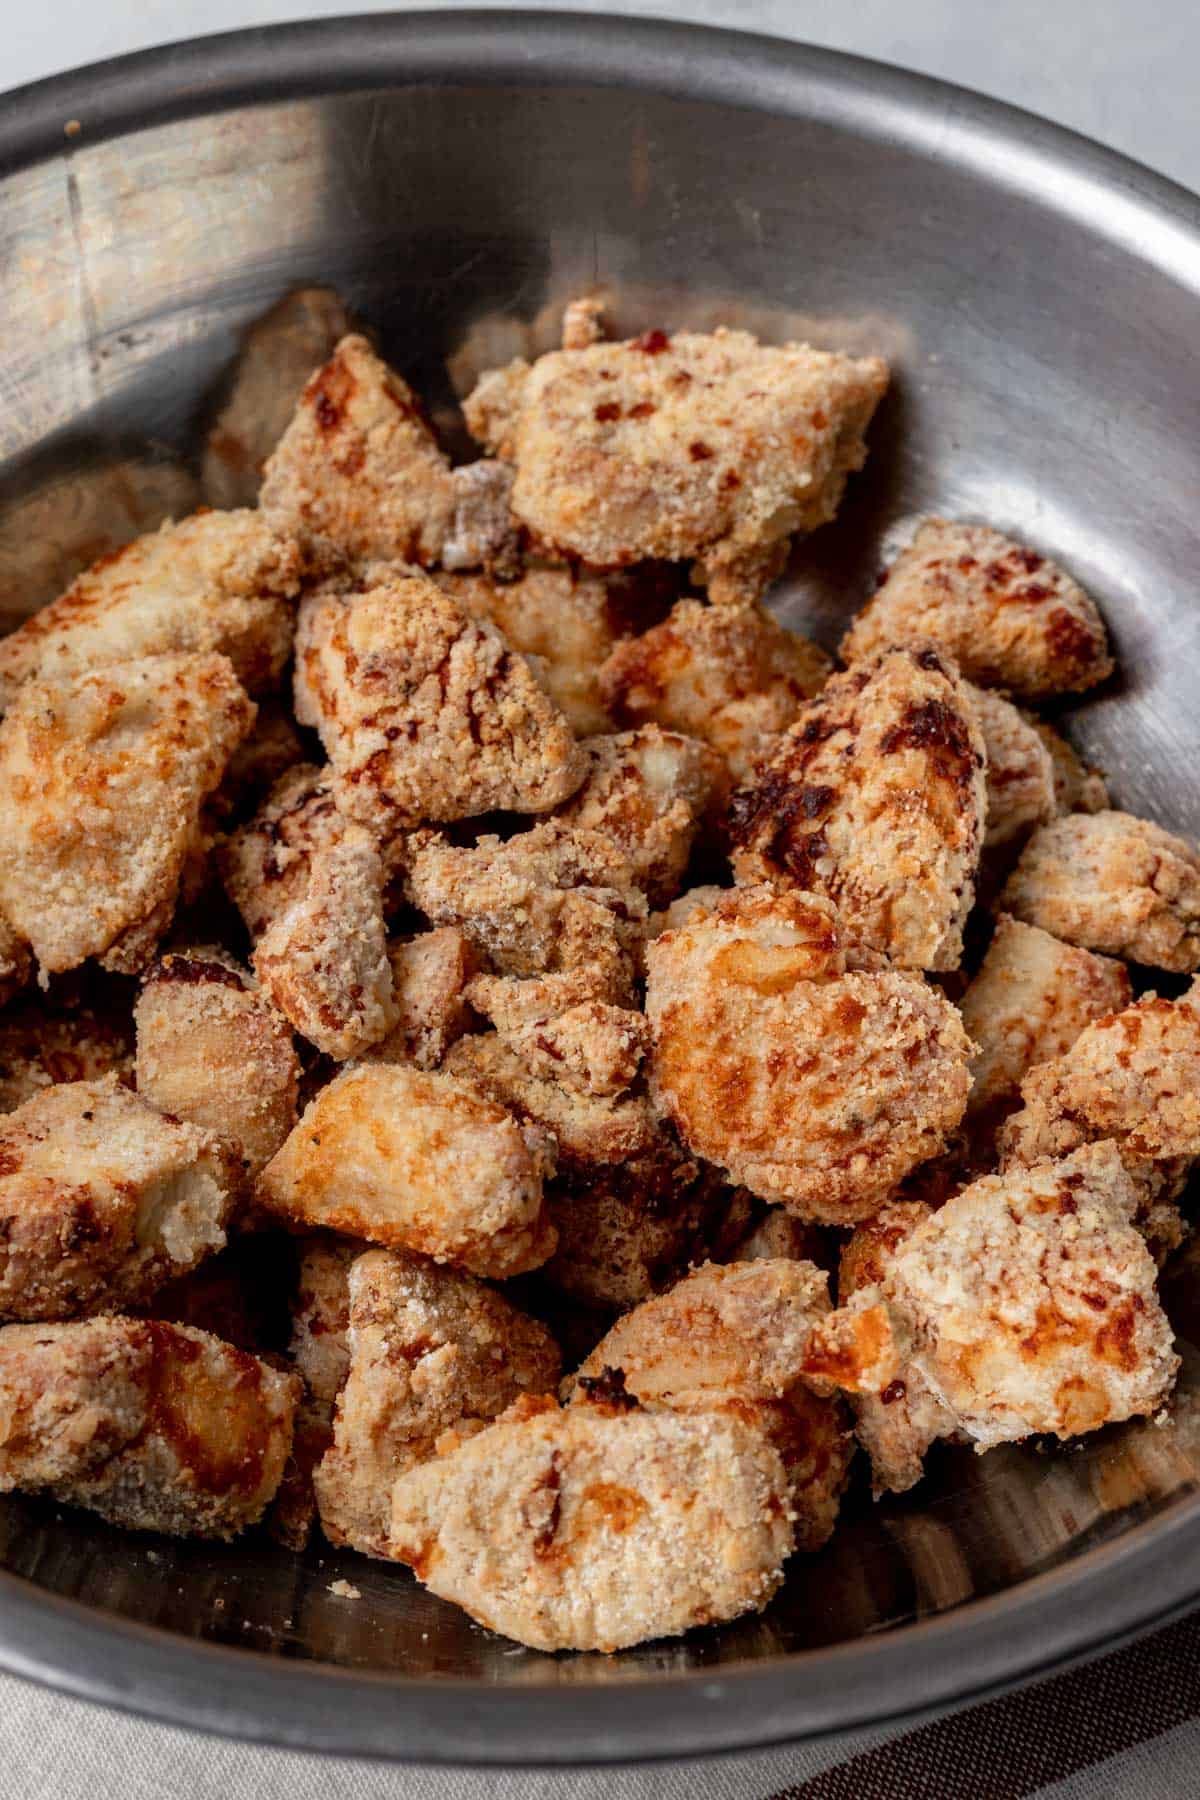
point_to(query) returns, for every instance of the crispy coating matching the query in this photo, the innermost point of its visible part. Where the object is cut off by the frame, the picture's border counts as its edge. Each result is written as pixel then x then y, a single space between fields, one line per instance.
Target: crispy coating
pixel 424 713
pixel 16 963
pixel 592 1047
pixel 414 1161
pixel 101 782
pixel 583 322
pixel 814 1084
pixel 155 1427
pixel 592 1528
pixel 646 790
pixel 1026 1305
pixel 214 1051
pixel 734 1339
pixel 358 473
pixel 1132 1077
pixel 876 797
pixel 1020 770
pixel 40 1046
pixel 1077 787
pixel 1029 1002
pixel 706 448
pixel 431 1352
pixel 730 675
pixel 216 581
pixel 1108 881
pixel 1009 617
pixel 431 975
pixel 102 1199
pixel 324 962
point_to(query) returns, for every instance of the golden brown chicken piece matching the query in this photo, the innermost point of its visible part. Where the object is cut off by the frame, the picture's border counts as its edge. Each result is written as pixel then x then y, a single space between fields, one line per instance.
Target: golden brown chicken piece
pixel 155 1427
pixel 1020 770
pixel 16 963
pixel 101 782
pixel 214 1051
pixel 414 1161
pixel 595 1527
pixel 102 1199
pixel 425 714
pixel 813 1082
pixel 1108 881
pixel 324 961
pixel 358 474
pixel 216 581
pixel 734 1338
pixel 1132 1077
pixel 1077 787
pixel 1029 1002
pixel 430 1352
pixel 876 797
pixel 1009 617
pixel 40 1046
pixel 1026 1305
pixel 730 675
pixel 431 977
pixel 707 448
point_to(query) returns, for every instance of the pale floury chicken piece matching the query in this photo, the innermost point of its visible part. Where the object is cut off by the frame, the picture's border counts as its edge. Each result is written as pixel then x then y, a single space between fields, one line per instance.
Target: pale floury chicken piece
pixel 213 1050
pixel 279 353
pixel 1008 616
pixel 647 790
pixel 431 975
pixel 706 448
pixel 324 961
pixel 731 675
pixel 412 1160
pixel 103 1199
pixel 155 1427
pixel 1020 770
pixel 16 963
pixel 424 713
pixel 102 778
pixel 1030 1000
pixel 358 473
pixel 1025 1305
pixel 1132 1077
pixel 216 581
pixel 876 797
pixel 815 1083
pixel 596 1527
pixel 1077 786
pixel 734 1338
pixel 592 1046
pixel 40 1047
pixel 1109 881
pixel 431 1352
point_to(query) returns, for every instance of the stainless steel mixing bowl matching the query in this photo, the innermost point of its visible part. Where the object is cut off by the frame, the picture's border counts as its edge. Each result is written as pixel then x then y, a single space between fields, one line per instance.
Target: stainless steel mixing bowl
pixel 456 177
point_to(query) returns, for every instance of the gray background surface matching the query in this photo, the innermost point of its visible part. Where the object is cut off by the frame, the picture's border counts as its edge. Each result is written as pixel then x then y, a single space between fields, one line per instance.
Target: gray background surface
pixel 1124 71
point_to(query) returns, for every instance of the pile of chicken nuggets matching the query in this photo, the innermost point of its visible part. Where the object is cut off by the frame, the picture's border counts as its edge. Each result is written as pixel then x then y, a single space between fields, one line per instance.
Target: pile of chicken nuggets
pixel 473 981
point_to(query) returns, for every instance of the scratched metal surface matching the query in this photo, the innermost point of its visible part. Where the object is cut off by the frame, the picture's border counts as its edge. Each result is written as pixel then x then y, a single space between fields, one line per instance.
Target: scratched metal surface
pixel 1040 314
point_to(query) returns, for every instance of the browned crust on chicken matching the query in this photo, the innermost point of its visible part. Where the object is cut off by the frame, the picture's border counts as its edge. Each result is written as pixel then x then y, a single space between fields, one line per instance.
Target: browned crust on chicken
pixel 40 1046
pixel 1020 770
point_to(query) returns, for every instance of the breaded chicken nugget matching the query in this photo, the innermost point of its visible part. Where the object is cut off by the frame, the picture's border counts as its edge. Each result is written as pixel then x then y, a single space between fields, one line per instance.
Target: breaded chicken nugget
pixel 731 675
pixel 592 1047
pixel 1108 881
pixel 40 1046
pixel 430 1352
pixel 592 1528
pixel 212 1050
pixel 431 975
pixel 1020 770
pixel 1009 617
pixel 1077 788
pixel 101 782
pixel 425 714
pixel 1029 1002
pixel 324 962
pixel 414 1161
pixel 358 472
pixel 320 1355
pixel 589 1128
pixel 155 1427
pixel 16 963
pixel 876 797
pixel 706 448
pixel 812 1083
pixel 734 1338
pixel 217 581
pixel 102 1199
pixel 1027 1304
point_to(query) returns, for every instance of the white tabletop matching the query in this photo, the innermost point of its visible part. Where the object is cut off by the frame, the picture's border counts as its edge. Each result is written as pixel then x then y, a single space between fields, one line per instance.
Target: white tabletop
pixel 1124 71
